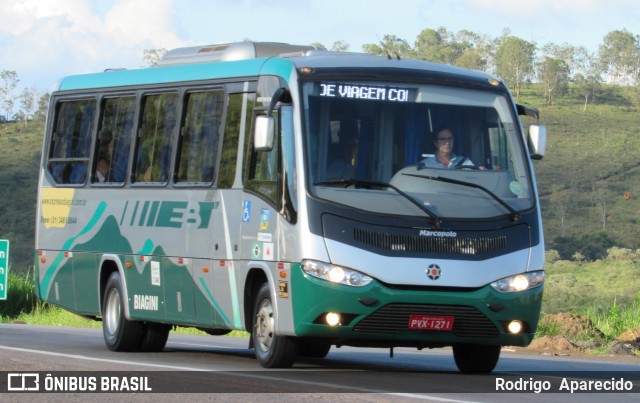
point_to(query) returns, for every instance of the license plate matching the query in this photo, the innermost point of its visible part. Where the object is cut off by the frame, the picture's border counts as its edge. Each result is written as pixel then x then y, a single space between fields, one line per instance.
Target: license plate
pixel 428 322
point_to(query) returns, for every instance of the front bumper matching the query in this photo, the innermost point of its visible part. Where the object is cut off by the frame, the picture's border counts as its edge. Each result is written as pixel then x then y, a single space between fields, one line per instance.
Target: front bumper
pixel 378 314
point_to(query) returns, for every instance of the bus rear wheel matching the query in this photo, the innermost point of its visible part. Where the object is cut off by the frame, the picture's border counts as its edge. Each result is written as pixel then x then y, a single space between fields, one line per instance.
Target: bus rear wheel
pixel 120 334
pixel 476 358
pixel 272 350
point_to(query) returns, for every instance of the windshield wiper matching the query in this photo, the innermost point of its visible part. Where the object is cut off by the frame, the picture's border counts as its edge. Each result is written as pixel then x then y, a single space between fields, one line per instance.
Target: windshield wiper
pixel 435 220
pixel 514 216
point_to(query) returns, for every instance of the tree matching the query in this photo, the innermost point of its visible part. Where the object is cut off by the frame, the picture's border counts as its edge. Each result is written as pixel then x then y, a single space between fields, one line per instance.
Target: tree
pixel 340 46
pixel 595 245
pixel 472 59
pixel 588 76
pixel 554 76
pixel 569 54
pixel 561 200
pixel 514 61
pixel 151 57
pixel 318 45
pixel 588 246
pixel 588 87
pixel 390 46
pixel 9 83
pixel 435 46
pixel 475 50
pixel 27 104
pixel 585 62
pixel 566 246
pixel 620 57
pixel 43 106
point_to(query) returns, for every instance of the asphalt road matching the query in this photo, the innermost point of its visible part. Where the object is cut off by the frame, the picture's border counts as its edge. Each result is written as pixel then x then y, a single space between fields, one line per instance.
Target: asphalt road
pixel 195 368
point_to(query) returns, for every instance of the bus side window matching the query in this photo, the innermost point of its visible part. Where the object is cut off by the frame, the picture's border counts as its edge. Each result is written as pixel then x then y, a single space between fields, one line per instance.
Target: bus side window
pixel 200 135
pixel 235 123
pixel 71 141
pixel 114 140
pixel 262 169
pixel 155 139
pixel 289 207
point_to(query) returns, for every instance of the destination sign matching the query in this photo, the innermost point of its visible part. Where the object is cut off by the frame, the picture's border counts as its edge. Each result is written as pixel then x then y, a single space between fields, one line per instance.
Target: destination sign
pixel 370 92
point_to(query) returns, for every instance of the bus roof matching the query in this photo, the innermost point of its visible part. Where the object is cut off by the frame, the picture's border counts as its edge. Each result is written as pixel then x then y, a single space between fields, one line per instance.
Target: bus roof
pixel 230 52
pixel 362 64
pixel 248 59
pixel 163 75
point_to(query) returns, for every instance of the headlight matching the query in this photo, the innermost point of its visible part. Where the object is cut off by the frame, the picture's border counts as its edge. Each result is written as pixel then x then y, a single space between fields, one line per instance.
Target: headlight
pixel 335 274
pixel 519 282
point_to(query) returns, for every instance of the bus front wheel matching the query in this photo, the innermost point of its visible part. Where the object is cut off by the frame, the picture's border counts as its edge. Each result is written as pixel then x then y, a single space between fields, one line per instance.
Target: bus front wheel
pixel 476 358
pixel 272 350
pixel 314 350
pixel 120 334
pixel 154 337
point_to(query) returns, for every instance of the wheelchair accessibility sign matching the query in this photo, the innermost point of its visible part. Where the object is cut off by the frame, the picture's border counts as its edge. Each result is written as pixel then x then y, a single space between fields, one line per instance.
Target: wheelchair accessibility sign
pixel 246 211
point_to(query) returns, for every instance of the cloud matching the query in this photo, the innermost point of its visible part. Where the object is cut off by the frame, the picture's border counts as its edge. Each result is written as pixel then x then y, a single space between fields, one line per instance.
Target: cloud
pixel 68 37
pixel 147 22
pixel 18 17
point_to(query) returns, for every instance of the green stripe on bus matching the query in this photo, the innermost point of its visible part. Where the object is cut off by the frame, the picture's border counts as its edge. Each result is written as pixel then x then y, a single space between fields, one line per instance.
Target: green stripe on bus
pixel 215 304
pixel 46 280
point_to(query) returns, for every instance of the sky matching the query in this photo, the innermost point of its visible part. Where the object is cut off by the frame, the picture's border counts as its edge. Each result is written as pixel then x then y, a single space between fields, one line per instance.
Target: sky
pixel 44 40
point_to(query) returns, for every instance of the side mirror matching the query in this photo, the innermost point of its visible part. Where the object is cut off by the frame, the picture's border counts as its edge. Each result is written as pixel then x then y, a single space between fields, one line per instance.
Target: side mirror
pixel 537 141
pixel 264 133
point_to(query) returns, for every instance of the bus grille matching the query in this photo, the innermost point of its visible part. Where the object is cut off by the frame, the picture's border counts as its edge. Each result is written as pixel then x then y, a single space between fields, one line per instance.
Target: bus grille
pixel 413 243
pixel 394 318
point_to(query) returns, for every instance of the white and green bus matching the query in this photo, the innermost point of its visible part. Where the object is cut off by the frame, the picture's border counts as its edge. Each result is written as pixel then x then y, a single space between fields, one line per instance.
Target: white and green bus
pixel 283 190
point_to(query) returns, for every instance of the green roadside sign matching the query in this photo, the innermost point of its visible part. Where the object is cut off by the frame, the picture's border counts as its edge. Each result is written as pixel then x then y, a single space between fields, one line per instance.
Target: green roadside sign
pixel 4 267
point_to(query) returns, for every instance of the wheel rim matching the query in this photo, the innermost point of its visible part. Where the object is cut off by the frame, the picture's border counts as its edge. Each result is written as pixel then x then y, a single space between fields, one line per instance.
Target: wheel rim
pixel 112 312
pixel 264 325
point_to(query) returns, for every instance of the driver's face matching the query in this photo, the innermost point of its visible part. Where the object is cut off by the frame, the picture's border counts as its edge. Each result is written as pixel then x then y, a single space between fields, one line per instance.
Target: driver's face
pixel 444 141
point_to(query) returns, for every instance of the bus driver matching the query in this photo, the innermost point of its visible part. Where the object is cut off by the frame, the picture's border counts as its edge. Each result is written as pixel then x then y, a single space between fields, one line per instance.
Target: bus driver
pixel 444 156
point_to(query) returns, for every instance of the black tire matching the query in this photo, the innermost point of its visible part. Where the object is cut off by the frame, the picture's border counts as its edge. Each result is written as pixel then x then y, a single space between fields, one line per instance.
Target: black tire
pixel 154 337
pixel 476 358
pixel 119 333
pixel 314 350
pixel 272 350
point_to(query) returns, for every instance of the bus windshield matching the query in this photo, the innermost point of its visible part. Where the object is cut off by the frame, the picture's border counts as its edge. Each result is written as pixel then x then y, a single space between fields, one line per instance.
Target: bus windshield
pixel 415 150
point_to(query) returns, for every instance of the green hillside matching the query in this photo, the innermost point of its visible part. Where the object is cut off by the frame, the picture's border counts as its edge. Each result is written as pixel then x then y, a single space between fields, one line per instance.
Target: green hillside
pixel 589 180
pixel 20 149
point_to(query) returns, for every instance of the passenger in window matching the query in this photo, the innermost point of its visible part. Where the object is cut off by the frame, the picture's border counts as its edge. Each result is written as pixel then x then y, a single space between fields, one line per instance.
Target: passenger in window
pixel 444 156
pixel 103 166
pixel 102 170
